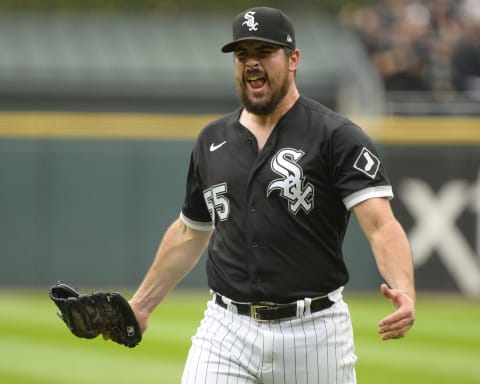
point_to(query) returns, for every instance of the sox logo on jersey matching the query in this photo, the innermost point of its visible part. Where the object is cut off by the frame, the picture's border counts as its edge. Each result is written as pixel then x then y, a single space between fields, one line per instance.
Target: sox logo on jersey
pixel 292 184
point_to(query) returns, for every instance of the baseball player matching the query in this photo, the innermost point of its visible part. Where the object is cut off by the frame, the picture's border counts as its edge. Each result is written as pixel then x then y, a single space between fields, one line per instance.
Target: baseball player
pixel 270 190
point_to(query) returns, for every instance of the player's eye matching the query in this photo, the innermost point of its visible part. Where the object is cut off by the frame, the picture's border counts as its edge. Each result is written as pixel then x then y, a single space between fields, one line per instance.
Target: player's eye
pixel 241 55
pixel 260 52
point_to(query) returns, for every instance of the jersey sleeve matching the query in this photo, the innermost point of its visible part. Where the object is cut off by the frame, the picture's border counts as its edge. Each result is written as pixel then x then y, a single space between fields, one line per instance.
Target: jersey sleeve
pixel 358 171
pixel 194 212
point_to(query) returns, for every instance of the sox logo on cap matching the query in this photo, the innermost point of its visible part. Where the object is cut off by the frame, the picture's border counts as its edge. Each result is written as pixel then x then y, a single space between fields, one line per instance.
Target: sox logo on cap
pixel 250 21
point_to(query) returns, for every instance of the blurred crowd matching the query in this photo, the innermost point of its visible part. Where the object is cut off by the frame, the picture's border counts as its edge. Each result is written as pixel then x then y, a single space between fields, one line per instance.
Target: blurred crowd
pixel 423 45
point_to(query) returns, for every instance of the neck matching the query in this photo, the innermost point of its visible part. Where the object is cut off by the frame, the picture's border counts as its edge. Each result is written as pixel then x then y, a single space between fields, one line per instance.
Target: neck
pixel 270 120
pixel 261 126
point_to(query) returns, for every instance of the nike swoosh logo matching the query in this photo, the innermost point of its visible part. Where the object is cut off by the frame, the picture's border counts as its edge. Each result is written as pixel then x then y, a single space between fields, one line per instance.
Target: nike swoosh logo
pixel 214 147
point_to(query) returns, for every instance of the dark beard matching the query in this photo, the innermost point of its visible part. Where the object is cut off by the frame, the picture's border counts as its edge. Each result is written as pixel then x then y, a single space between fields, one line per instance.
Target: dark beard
pixel 267 107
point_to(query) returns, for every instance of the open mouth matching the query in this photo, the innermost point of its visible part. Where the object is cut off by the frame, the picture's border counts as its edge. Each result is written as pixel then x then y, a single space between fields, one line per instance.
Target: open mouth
pixel 256 82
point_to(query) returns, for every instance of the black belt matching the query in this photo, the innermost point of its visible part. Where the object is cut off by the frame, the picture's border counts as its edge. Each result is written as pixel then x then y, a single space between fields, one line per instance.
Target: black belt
pixel 271 312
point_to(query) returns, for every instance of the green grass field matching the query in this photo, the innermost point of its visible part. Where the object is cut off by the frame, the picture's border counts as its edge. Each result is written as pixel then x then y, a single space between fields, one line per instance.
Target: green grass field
pixel 35 346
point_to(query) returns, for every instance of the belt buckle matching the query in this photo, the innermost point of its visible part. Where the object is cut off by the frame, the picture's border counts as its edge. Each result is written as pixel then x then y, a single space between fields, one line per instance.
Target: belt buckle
pixel 254 311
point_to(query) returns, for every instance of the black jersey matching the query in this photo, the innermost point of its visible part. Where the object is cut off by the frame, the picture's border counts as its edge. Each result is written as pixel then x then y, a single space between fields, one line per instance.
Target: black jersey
pixel 280 216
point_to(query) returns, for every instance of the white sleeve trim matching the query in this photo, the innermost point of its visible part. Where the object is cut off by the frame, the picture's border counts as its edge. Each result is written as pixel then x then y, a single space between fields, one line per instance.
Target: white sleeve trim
pixel 197 225
pixel 368 193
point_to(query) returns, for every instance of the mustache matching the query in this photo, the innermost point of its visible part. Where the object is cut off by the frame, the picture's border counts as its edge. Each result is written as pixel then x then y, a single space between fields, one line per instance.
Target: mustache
pixel 254 72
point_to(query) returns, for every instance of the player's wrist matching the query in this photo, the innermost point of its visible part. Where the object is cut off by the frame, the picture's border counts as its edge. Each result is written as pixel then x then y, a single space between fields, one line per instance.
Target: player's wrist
pixel 410 294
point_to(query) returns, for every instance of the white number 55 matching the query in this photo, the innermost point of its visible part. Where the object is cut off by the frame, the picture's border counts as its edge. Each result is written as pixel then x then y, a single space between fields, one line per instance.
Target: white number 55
pixel 217 202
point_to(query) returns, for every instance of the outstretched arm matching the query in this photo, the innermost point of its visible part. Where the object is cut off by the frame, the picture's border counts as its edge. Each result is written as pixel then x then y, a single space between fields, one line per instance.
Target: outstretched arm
pixel 179 251
pixel 392 253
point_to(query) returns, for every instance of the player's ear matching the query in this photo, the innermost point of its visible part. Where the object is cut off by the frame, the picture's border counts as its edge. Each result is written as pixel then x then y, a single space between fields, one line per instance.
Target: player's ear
pixel 293 60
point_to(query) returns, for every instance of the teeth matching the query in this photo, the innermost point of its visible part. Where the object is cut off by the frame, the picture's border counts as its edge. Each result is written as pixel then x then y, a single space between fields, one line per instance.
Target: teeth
pixel 253 78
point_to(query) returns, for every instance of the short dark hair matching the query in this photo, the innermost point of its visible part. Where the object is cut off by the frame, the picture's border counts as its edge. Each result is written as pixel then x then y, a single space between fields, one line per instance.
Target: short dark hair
pixel 288 51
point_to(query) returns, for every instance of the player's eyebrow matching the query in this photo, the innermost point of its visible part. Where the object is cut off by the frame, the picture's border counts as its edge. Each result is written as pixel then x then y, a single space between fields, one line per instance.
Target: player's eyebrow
pixel 266 47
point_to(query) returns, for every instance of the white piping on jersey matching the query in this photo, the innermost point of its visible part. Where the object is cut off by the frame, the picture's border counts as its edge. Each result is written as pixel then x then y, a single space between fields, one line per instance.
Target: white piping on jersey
pixel 368 193
pixel 198 225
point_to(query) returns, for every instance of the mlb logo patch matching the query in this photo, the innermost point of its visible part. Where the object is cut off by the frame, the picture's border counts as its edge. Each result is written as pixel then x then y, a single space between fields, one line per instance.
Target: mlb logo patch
pixel 367 163
pixel 130 331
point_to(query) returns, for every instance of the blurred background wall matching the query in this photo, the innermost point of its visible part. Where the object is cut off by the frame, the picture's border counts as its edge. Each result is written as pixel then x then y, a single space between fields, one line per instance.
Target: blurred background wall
pixel 100 103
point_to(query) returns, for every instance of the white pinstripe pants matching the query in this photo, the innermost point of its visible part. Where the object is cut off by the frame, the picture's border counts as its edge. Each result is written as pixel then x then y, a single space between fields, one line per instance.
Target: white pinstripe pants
pixel 233 349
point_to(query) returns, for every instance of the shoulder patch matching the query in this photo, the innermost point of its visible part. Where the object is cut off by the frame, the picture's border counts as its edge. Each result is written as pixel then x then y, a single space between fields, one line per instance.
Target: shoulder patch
pixel 367 163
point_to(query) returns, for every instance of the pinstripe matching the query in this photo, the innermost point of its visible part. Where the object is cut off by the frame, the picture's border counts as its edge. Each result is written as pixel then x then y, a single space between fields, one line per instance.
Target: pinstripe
pixel 190 359
pixel 350 363
pixel 302 323
pixel 202 346
pixel 210 351
pixel 273 352
pixel 238 358
pixel 340 349
pixel 193 352
pixel 232 348
pixel 335 345
pixel 344 362
pixel 244 345
pixel 254 343
pixel 314 323
pixel 340 357
pixel 327 365
pixel 234 342
pixel 243 338
pixel 294 350
pixel 257 328
pixel 221 344
pixel 348 321
pixel 260 366
pixel 311 339
pixel 283 354
pixel 322 345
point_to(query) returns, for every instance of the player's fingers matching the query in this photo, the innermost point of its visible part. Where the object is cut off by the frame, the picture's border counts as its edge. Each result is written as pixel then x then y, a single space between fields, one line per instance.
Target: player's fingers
pixel 396 325
pixel 397 319
pixel 399 315
pixel 397 297
pixel 402 324
pixel 386 291
pixel 393 335
pixel 396 333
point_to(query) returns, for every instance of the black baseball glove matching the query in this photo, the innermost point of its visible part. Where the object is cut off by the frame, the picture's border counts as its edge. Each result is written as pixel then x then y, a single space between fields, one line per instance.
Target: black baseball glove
pixel 87 316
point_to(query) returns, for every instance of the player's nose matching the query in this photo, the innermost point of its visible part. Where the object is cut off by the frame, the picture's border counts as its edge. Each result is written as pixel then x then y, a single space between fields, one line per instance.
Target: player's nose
pixel 252 66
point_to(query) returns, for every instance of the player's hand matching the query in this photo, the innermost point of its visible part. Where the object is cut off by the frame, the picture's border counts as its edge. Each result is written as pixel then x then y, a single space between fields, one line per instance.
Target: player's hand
pixel 397 324
pixel 142 317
